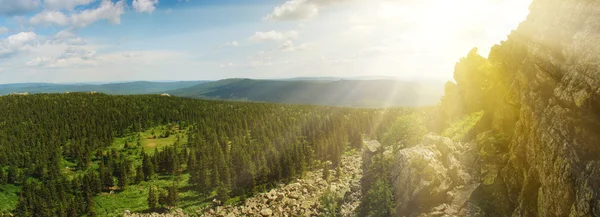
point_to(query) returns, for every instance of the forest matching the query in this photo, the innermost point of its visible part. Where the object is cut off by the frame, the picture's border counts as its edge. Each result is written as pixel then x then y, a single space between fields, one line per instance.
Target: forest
pixel 67 154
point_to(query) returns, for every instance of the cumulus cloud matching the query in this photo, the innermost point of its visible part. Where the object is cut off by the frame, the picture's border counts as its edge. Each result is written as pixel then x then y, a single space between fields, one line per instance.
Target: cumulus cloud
pixel 66 37
pixel 17 7
pixel 39 61
pixel 65 4
pixel 290 46
pixel 227 65
pixel 132 55
pixel 145 6
pixel 48 18
pixel 261 58
pixel 231 44
pixel 70 56
pixel 106 11
pixel 274 36
pixel 298 9
pixel 294 10
pixel 3 30
pixel 17 42
pixel 77 52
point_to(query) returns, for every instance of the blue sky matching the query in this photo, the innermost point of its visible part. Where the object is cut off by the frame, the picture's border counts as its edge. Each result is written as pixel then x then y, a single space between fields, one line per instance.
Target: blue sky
pixel 125 40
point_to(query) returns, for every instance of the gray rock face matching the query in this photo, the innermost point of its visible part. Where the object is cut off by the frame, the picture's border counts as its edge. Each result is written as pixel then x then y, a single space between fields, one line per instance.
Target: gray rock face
pixel 552 167
pixel 430 180
pixel 549 111
pixel 371 148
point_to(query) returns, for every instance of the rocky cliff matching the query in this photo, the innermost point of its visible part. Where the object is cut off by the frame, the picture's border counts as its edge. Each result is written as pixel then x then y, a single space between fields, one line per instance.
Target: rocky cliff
pixel 538 144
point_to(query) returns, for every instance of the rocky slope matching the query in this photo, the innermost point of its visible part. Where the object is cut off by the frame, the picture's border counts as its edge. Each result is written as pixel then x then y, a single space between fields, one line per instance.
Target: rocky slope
pixel 538 143
pixel 299 198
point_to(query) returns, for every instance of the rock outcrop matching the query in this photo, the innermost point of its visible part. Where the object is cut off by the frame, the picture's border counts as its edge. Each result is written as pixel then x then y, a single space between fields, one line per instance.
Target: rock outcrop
pixel 545 101
pixel 434 178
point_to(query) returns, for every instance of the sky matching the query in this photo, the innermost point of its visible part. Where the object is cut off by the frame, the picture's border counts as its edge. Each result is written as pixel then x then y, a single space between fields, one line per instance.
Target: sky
pixel 66 41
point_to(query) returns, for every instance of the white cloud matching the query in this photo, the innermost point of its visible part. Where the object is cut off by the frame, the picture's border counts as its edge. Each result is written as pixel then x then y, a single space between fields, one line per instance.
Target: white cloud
pixel 16 7
pixel 262 58
pixel 78 52
pixel 168 11
pixel 107 10
pixel 65 4
pixel 17 42
pixel 274 36
pixel 70 56
pixel 298 9
pixel 145 6
pixel 47 18
pixel 227 65
pixel 290 46
pixel 3 30
pixel 132 55
pixel 294 10
pixel 66 37
pixel 231 44
pixel 39 61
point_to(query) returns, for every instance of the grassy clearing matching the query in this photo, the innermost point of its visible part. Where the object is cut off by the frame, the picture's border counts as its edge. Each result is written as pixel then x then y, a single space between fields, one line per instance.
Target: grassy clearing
pixel 9 195
pixel 134 198
pixel 151 139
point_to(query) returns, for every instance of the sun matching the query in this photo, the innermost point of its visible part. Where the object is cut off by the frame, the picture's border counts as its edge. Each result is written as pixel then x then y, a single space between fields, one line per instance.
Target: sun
pixel 458 25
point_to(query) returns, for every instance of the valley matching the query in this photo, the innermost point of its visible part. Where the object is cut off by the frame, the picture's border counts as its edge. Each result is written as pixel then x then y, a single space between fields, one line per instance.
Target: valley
pixel 187 152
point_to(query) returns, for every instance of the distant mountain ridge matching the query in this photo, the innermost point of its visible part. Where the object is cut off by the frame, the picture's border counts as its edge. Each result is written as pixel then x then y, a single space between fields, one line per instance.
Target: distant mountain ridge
pixel 125 88
pixel 348 93
pixel 364 93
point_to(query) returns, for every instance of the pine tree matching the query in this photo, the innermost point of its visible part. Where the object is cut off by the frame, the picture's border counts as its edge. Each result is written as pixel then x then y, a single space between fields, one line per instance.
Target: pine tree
pixel 162 197
pixel 3 179
pixel 172 196
pixel 106 177
pixel 223 192
pixel 152 202
pixel 148 167
pixel 326 171
pixel 338 172
pixel 139 175
pixel 13 175
pixel 122 178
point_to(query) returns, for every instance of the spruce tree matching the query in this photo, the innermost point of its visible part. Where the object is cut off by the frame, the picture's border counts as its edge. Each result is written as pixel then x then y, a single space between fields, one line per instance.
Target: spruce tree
pixel 326 171
pixel 139 174
pixel 152 201
pixel 2 177
pixel 172 196
pixel 162 197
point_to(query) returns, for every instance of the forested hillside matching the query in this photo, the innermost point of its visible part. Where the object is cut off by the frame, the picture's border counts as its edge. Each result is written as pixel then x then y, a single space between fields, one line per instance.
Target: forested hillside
pixel 65 154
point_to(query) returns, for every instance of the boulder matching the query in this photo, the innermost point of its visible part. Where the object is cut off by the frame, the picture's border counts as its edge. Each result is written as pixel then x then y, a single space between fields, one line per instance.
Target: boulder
pixel 266 212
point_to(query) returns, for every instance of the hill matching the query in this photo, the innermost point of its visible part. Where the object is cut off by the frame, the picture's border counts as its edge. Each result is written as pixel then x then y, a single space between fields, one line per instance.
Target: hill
pixel 138 87
pixel 150 153
pixel 350 93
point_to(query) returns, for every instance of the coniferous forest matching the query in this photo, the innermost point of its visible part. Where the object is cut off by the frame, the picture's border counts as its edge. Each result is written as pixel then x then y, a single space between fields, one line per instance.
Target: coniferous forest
pixel 62 151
